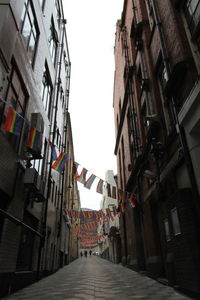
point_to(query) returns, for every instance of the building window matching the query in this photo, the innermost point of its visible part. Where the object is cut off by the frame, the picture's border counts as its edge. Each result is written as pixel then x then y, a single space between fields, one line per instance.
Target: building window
pixel 167 231
pixel 16 97
pixel 29 30
pixel 146 122
pixel 150 13
pixel 57 5
pixel 192 14
pixel 175 221
pixel 166 104
pixel 123 163
pixel 58 139
pixel 39 164
pixel 41 2
pixel 53 42
pixel 46 91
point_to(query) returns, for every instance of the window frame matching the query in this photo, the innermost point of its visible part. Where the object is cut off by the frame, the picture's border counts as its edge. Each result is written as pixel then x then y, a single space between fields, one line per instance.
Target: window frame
pixel 193 24
pixel 53 42
pixel 33 29
pixel 46 91
pixel 15 104
pixel 175 222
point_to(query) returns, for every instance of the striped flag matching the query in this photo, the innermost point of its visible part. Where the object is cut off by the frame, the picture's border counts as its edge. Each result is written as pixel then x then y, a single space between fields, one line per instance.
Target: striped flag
pixel 89 181
pixel 34 140
pixel 115 210
pixel 131 199
pixel 59 164
pixel 53 151
pixel 102 214
pixel 13 122
pixel 109 212
pixel 119 195
pixel 82 177
pixel 75 169
pixel 85 213
pixel 99 188
pixel 96 213
pixel 90 214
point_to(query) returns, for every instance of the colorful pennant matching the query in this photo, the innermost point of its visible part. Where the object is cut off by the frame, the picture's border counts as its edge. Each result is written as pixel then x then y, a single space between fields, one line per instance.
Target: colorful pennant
pixel 90 181
pixel 82 177
pixel 13 123
pixel 59 164
pixel 34 140
pixel 99 188
pixel 53 151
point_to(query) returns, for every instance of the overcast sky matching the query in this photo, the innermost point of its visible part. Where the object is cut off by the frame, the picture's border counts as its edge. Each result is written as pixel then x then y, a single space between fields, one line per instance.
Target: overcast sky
pixel 91 26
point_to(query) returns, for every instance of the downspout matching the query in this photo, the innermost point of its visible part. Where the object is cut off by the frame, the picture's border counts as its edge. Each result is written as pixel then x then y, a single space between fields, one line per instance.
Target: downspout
pixel 181 130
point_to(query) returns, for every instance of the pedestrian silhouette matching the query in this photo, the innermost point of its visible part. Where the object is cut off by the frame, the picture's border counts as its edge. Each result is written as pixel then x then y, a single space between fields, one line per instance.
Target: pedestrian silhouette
pixel 85 253
pixel 81 254
pixel 90 252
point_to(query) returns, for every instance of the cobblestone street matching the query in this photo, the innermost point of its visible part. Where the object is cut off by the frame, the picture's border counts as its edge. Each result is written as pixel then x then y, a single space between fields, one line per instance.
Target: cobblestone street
pixel 94 278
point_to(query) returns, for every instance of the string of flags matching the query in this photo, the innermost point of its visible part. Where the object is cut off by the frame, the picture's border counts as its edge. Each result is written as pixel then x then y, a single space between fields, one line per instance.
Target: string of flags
pixel 91 225
pixel 13 124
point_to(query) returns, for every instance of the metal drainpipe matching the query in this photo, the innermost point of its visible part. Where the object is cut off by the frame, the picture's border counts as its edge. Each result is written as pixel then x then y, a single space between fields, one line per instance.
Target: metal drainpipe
pixel 63 176
pixel 180 128
pixel 51 159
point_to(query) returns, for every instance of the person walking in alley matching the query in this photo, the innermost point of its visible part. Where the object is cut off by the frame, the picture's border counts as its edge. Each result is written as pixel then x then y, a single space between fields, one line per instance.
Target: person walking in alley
pixel 81 254
pixel 90 252
pixel 85 253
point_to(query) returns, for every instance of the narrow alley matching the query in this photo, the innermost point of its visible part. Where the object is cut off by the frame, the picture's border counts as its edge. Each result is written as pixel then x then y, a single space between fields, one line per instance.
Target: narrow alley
pixel 94 278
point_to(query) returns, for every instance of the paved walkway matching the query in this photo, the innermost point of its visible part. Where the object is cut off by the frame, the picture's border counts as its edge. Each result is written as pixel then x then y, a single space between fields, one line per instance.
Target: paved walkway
pixel 94 278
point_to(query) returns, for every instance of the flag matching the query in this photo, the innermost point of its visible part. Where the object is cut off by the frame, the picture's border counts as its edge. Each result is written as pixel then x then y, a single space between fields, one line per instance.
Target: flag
pixel 109 212
pixel 99 188
pixel 82 177
pixel 34 140
pixel 115 210
pixel 119 195
pixel 89 181
pixel 53 151
pixel 68 213
pixel 131 199
pixel 90 214
pixel 59 164
pixel 96 213
pixel 75 169
pixel 102 214
pixel 13 122
pixel 123 206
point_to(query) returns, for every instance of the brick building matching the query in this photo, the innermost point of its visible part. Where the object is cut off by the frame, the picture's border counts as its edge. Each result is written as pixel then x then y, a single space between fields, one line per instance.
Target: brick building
pixel 34 84
pixel 156 107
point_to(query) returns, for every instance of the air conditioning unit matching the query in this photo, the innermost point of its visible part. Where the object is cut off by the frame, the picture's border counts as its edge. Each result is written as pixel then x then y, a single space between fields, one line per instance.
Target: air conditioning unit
pixel 31 178
pixel 37 122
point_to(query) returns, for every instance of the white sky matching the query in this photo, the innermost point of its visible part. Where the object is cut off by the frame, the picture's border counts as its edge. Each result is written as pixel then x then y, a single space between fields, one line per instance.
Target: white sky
pixel 90 29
